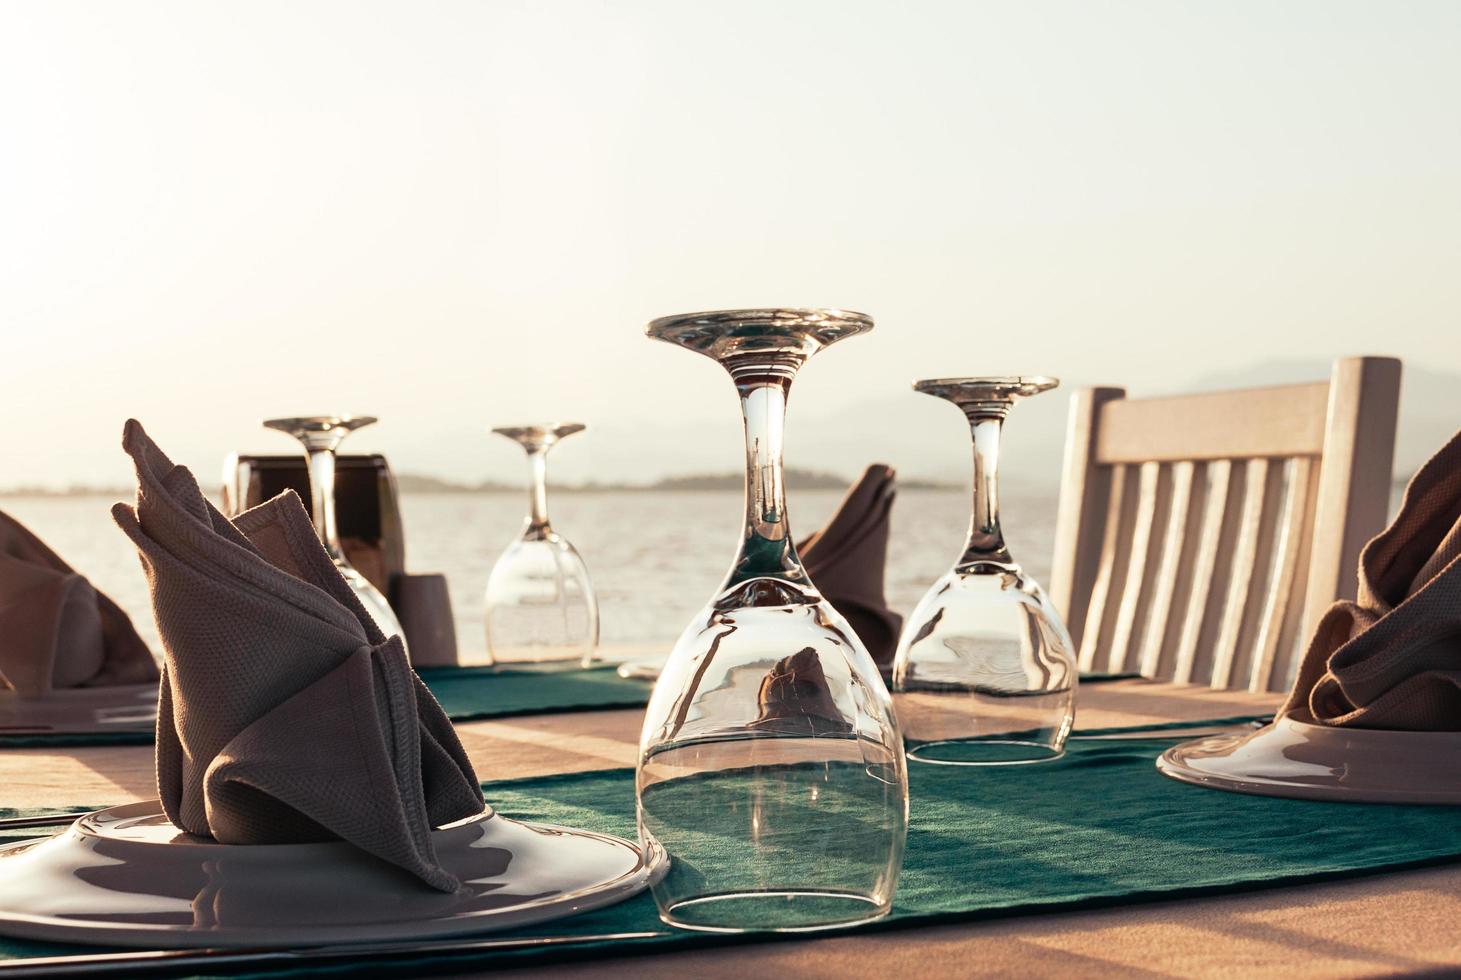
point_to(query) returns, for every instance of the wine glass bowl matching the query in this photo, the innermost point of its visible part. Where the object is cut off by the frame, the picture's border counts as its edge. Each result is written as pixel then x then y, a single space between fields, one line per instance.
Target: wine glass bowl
pixel 321 436
pixel 771 770
pixel 980 682
pixel 540 606
pixel 985 671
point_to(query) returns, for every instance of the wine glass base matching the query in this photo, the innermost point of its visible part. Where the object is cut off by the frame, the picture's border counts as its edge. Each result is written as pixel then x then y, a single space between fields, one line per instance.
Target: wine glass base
pixel 983 752
pixel 642 669
pixel 811 910
pixel 557 666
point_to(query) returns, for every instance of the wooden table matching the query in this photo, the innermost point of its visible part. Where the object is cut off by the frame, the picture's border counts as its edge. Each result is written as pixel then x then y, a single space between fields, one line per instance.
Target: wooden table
pixel 1404 922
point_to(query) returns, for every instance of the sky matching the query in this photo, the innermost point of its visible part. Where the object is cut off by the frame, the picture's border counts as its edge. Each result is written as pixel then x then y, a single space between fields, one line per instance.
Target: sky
pixel 459 215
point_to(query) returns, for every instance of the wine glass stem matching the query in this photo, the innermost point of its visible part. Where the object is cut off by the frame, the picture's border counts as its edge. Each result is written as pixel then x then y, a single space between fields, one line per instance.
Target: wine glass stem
pixel 322 499
pixel 766 544
pixel 538 489
pixel 986 537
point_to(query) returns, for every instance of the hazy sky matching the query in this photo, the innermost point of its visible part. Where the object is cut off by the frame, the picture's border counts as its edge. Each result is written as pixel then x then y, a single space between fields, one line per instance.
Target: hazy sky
pixel 460 214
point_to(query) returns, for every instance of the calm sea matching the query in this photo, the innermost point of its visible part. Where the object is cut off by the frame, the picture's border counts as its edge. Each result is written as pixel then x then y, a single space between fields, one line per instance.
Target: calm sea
pixel 655 557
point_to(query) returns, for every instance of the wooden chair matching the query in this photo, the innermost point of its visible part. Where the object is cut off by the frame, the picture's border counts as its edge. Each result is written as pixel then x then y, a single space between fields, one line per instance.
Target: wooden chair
pixel 1200 537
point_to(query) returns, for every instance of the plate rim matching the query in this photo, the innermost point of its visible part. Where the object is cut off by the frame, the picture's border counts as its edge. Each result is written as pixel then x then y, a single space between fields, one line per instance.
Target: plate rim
pixel 647 868
pixel 1171 764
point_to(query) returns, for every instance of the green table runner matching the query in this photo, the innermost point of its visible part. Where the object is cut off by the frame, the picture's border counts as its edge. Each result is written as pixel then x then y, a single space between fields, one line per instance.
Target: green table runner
pixel 471 694
pixel 1100 827
pixel 466 693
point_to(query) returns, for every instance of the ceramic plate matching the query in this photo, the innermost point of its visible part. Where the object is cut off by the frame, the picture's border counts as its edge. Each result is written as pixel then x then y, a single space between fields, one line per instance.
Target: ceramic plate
pixel 127 877
pixel 81 711
pixel 1294 757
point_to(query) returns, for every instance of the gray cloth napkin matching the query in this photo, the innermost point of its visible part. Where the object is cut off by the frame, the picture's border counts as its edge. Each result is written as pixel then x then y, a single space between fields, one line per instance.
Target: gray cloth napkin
pixel 284 715
pixel 1392 658
pixel 56 631
pixel 846 561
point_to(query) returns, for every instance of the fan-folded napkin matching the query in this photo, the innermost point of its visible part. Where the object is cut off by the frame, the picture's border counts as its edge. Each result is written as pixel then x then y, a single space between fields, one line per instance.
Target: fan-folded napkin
pixel 1392 657
pixel 846 561
pixel 56 631
pixel 284 716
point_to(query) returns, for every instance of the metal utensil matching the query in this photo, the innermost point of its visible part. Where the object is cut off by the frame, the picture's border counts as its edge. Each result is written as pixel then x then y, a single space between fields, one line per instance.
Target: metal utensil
pixel 1194 730
pixel 41 820
pixel 167 963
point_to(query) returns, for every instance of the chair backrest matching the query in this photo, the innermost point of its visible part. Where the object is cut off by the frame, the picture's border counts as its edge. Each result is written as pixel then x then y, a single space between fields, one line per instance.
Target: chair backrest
pixel 1200 537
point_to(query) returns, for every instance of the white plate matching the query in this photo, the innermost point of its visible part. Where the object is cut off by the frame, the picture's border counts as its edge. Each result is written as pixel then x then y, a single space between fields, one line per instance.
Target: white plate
pixel 81 711
pixel 126 877
pixel 1296 758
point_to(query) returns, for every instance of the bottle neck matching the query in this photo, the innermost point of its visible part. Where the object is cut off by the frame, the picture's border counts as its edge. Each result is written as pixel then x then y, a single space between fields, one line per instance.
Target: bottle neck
pixel 986 537
pixel 322 498
pixel 767 549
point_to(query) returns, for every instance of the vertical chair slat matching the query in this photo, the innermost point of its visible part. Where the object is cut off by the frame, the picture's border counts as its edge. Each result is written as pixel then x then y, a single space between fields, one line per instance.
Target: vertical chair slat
pixel 1354 476
pixel 1265 554
pixel 1084 490
pixel 1280 590
pixel 1096 609
pixel 1137 587
pixel 1245 559
pixel 1200 536
pixel 1292 640
pixel 1220 477
pixel 1171 570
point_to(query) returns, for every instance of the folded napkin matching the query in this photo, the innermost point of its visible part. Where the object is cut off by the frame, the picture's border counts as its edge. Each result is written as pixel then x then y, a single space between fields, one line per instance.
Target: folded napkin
pixel 56 631
pixel 846 559
pixel 1392 658
pixel 795 698
pixel 284 716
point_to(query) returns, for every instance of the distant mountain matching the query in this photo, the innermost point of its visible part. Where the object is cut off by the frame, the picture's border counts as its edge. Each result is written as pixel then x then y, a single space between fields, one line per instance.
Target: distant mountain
pixel 796 479
pixel 75 490
pixel 927 439
pixel 422 483
pixel 924 438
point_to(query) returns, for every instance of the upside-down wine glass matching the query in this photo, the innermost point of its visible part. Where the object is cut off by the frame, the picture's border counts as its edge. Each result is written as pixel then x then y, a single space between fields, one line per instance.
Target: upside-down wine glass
pixel 985 673
pixel 540 603
pixel 771 770
pixel 322 435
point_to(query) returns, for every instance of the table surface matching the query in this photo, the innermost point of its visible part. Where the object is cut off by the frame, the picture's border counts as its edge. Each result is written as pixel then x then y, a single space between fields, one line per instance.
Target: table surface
pixel 1384 924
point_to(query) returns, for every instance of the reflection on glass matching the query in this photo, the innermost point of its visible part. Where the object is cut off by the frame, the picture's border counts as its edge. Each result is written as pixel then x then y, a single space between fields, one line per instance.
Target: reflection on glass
pixel 322 435
pixel 771 770
pixel 540 603
pixel 985 673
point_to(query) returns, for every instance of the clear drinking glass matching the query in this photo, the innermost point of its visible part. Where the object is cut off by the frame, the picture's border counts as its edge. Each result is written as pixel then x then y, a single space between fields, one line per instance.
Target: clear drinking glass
pixel 322 435
pixel 771 770
pixel 540 602
pixel 985 673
